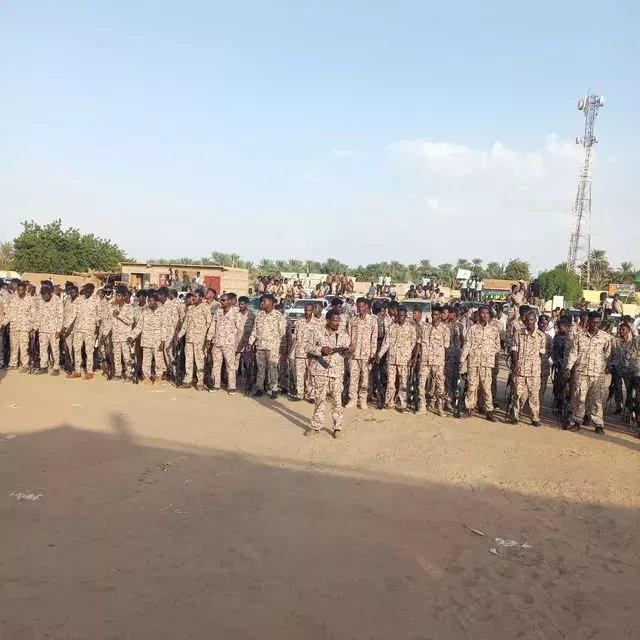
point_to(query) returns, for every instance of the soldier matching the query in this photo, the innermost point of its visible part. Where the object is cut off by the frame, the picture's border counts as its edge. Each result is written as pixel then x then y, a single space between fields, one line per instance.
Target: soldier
pixel 106 310
pixel 318 310
pixel 121 323
pixel 589 353
pixel 363 331
pixel 400 342
pixel 285 347
pixel 329 346
pixel 169 322
pixel 434 340
pixel 529 347
pixel 85 319
pixel 138 305
pixel 20 315
pixel 620 365
pixel 545 362
pixel 5 297
pixel 223 337
pixel 68 316
pixel 48 323
pixel 336 305
pixel 247 318
pixel 267 333
pixel 452 354
pixel 177 305
pixel 303 337
pixel 194 329
pixel 477 359
pixel 211 298
pixel 149 329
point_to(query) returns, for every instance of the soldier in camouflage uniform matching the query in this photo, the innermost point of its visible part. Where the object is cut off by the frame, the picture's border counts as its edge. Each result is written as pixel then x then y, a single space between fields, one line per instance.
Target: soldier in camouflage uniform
pixel 329 343
pixel 589 353
pixel 149 330
pixel 530 345
pixel 452 354
pixel 285 346
pixel 267 333
pixel 620 365
pixel 224 335
pixel 194 329
pixel 20 318
pixel 170 325
pixel 400 342
pixel 49 325
pixel 69 312
pixel 86 322
pixel 545 362
pixel 245 352
pixel 138 305
pixel 433 342
pixel 478 356
pixel 303 337
pixel 363 331
pixel 121 323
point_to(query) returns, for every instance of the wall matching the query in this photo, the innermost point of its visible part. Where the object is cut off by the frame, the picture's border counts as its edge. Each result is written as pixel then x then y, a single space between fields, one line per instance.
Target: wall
pixel 57 278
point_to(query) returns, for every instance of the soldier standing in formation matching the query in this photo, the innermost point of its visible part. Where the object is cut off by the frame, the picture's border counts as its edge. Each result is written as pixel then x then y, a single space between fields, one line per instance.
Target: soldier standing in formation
pixel 223 337
pixel 121 323
pixel 49 325
pixel 194 330
pixel 149 330
pixel 302 343
pixel 20 320
pixel 363 333
pixel 434 340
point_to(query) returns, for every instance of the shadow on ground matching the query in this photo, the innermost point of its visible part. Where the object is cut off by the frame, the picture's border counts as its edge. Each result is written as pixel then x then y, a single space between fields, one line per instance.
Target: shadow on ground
pixel 140 542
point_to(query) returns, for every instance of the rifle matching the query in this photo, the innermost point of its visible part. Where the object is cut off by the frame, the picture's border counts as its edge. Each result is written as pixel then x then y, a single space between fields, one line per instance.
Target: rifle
pixel 414 386
pixel 459 393
pixel 207 374
pixel 107 358
pixel 67 360
pixel 322 362
pixel 293 382
pixel 33 352
pixel 248 360
pixel 134 371
pixel 561 404
pixel 168 363
pixel 179 360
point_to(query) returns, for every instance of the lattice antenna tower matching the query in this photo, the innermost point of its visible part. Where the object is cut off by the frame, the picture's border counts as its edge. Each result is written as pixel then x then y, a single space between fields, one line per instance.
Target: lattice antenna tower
pixel 579 259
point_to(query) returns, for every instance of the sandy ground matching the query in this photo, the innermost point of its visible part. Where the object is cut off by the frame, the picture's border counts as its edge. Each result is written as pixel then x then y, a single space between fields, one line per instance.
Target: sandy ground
pixel 146 513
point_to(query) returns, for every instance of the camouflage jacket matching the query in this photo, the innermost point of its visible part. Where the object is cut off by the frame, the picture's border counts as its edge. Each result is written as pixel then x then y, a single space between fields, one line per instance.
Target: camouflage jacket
pixel 268 330
pixel 589 354
pixel 21 313
pixel 399 342
pixel 364 336
pixel 481 346
pixel 149 328
pixel 247 320
pixel 434 340
pixel 303 336
pixel 530 347
pixel 324 337
pixel 196 323
pixel 225 329
pixel 49 318
pixel 122 323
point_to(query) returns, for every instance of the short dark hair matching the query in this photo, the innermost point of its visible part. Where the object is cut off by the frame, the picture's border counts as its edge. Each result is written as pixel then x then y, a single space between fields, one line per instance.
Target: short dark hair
pixel 243 299
pixel 332 313
pixel 564 320
pixel 45 288
pixel 524 308
pixel 270 297
pixel 152 295
pixel 437 308
pixel 122 290
pixel 231 295
pixel 90 285
pixel 164 291
pixel 593 314
pixel 198 292
pixel 363 300
pixel 143 293
pixel 336 301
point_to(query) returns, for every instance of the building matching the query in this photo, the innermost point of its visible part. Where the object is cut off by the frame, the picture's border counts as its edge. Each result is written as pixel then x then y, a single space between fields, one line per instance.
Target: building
pixel 139 275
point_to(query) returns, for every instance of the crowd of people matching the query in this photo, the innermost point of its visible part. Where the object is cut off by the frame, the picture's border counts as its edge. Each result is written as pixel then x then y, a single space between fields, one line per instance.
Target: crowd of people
pixel 353 355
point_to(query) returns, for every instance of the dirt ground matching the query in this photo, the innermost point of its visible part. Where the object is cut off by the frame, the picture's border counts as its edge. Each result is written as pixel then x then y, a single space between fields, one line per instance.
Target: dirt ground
pixel 150 513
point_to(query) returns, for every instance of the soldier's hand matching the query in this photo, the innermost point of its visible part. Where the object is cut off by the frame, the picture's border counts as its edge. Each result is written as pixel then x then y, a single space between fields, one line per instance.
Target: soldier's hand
pixel 326 351
pixel 57 335
pixel 129 341
pixel 207 345
pixel 116 312
pixel 567 374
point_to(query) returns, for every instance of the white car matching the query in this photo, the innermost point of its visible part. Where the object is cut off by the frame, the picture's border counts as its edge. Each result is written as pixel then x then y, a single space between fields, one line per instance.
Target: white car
pixel 296 311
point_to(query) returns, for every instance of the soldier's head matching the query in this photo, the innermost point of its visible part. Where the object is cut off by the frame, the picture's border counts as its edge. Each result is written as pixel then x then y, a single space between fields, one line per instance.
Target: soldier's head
pixel 392 309
pixel 57 291
pixel 46 292
pixel 593 323
pixel 121 294
pixel 197 297
pixel 233 297
pixel 268 302
pixel 211 295
pixel 308 310
pixel 89 289
pixel 362 306
pixel 152 300
pixel 72 292
pixel 163 294
pixel 530 321
pixel 523 310
pixel 188 299
pixel 318 309
pixel 243 303
pixel 543 323
pixel 436 315
pixel 13 286
pixel 108 292
pixel 141 296
pixel 563 325
pixel 333 319
pixel 21 288
pixel 173 294
pixel 226 301
pixel 483 314
pixel 624 330
pixel 31 288
pixel 416 315
pixel 401 314
pixel 336 304
pixel 584 318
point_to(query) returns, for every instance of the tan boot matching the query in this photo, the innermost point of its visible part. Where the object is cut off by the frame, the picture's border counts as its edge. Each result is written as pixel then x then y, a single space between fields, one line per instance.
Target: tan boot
pixel 74 374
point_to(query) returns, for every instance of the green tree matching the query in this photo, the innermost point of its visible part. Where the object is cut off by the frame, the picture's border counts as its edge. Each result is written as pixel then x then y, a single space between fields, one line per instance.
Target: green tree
pixel 476 267
pixel 333 266
pixel 625 275
pixel 517 270
pixel 52 249
pixel 560 282
pixel 6 255
pixel 495 270
pixel 600 275
pixel 447 275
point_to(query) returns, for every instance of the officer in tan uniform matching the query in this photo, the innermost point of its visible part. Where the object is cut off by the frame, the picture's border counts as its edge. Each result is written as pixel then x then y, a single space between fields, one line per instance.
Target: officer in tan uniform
pixel 589 353
pixel 267 333
pixel 330 344
pixel 247 318
pixel 86 322
pixel 545 362
pixel 529 346
pixel 363 331
pixel 452 354
pixel 121 323
pixel 49 325
pixel 224 336
pixel 149 329
pixel 481 344
pixel 194 330
pixel 434 340
pixel 400 341
pixel 303 337
pixel 69 314
pixel 20 318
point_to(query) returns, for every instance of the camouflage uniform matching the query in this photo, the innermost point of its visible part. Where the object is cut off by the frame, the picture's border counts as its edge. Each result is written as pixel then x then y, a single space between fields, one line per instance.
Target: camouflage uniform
pixel 85 320
pixel 303 337
pixel 69 311
pixel 4 309
pixel 20 316
pixel 589 354
pixel 170 322
pixel 247 320
pixel 120 331
pixel 620 362
pixel 149 328
pixel 49 323
pixel 399 341
pixel 283 360
pixel 530 347
pixel 545 366
pixel 195 326
pixel 225 335
pixel 363 332
pixel 268 330
pixel 480 348
pixel 452 358
pixel 327 383
pixel 434 340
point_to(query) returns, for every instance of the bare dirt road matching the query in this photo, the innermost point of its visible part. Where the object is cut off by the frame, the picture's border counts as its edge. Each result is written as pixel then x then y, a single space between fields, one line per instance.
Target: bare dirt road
pixel 147 513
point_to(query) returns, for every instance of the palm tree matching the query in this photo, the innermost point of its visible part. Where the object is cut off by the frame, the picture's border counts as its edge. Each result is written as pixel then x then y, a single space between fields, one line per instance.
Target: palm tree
pixel 599 268
pixel 6 255
pixel 494 270
pixel 477 267
pixel 447 274
pixel 267 267
pixel 463 263
pixel 297 266
pixel 425 267
pixel 627 273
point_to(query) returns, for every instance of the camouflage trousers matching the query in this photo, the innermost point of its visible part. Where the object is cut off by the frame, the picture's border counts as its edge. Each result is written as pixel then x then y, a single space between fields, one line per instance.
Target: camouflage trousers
pixel 479 378
pixel 19 341
pixel 359 381
pixel 587 397
pixel 193 351
pixel 527 389
pixel 544 381
pixel 121 353
pixel 283 371
pixel 80 339
pixel 436 373
pixel 149 354
pixel 304 386
pixel 49 340
pixel 267 360
pixel 327 389
pixel 227 354
pixel 401 373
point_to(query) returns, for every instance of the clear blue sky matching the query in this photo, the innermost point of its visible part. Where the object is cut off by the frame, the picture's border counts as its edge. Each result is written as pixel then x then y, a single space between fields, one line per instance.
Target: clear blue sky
pixel 358 130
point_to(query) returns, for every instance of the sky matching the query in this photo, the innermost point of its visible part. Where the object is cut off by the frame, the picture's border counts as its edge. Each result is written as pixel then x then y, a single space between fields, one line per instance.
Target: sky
pixel 363 131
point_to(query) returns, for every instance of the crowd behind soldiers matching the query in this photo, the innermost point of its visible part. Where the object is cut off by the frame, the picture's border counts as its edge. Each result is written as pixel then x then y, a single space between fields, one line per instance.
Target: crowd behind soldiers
pixel 353 356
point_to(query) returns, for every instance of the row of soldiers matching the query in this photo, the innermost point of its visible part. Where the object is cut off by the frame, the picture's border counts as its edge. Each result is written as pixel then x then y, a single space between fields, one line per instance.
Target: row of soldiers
pixel 346 357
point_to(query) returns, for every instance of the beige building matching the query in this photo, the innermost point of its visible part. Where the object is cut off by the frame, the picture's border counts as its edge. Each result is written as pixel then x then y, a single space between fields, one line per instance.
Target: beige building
pixel 155 274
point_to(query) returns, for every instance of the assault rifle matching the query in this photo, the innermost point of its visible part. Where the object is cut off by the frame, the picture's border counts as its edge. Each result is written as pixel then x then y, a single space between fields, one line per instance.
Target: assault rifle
pixel 33 352
pixel 322 362
pixel 561 404
pixel 414 386
pixel 207 373
pixel 107 358
pixel 65 355
pixel 459 393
